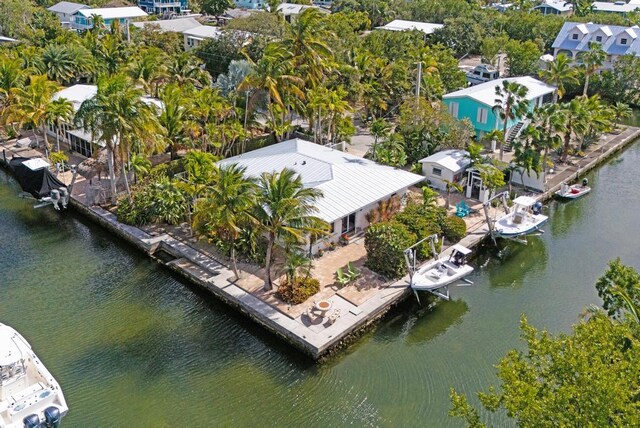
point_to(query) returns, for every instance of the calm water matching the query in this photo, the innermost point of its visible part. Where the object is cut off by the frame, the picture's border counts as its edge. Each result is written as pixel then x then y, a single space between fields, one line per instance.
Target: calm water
pixel 133 345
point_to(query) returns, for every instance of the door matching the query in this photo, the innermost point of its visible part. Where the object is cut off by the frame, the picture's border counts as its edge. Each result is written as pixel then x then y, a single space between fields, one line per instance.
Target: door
pixel 476 184
pixel 349 223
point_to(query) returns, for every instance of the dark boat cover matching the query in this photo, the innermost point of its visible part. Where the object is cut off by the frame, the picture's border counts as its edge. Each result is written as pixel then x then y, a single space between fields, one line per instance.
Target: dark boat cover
pixel 38 183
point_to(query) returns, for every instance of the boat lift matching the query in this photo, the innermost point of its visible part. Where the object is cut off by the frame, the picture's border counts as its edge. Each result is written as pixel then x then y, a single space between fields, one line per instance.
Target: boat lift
pixel 491 221
pixel 410 255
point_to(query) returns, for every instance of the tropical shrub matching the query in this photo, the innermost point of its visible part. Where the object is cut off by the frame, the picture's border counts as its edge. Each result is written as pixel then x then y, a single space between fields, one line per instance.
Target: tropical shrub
pixel 385 244
pixel 422 221
pixel 454 228
pixel 298 289
pixel 156 201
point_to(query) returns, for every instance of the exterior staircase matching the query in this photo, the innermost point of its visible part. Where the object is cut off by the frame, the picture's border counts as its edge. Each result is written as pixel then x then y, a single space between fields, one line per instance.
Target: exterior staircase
pixel 514 132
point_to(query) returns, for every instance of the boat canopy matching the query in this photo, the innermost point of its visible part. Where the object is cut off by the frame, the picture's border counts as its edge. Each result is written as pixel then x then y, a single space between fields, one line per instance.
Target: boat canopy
pixel 34 176
pixel 525 201
pixel 461 249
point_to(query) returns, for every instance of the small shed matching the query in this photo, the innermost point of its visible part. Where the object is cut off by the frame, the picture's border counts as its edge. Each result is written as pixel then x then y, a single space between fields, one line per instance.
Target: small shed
pixel 447 165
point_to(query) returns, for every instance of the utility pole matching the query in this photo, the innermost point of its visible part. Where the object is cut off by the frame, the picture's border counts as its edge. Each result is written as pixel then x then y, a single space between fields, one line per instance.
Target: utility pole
pixel 418 85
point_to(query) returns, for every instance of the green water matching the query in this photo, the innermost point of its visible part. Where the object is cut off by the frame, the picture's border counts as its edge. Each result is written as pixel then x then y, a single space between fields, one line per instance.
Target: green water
pixel 133 345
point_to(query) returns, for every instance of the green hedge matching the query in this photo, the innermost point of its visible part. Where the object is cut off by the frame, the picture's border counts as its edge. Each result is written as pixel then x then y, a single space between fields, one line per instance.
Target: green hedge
pixel 298 290
pixel 385 243
pixel 423 221
pixel 454 228
pixel 158 201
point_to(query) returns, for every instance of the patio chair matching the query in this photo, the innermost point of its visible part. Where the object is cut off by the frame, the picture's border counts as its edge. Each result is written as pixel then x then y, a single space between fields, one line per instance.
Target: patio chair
pixel 462 209
pixel 352 272
pixel 334 316
pixel 342 277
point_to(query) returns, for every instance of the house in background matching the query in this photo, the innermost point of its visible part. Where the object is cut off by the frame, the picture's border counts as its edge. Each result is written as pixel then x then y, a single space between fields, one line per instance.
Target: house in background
pixel 402 25
pixel 291 10
pixel 251 4
pixel 476 103
pixel 65 10
pixel 554 7
pixel 351 186
pixel 178 25
pixel 620 7
pixel 574 38
pixel 195 36
pixel 165 8
pixel 447 165
pixel 83 18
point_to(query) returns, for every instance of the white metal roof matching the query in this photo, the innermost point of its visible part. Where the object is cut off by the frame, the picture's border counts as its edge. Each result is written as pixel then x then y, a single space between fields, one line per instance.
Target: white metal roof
pixel 348 183
pixel 402 25
pixel 296 9
pixel 486 92
pixel 171 25
pixel 77 94
pixel 620 7
pixel 559 5
pixel 204 32
pixel 114 12
pixel 35 164
pixel 453 160
pixel 67 7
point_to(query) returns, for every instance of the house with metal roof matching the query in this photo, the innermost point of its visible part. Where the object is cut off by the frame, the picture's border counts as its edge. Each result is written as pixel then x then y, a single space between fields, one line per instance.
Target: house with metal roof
pixel 554 7
pixel 83 18
pixel 194 36
pixel 402 25
pixel 65 10
pixel 178 25
pixel 476 102
pixel 351 186
pixel 574 38
pixel 166 8
pixel 620 7
pixel 447 165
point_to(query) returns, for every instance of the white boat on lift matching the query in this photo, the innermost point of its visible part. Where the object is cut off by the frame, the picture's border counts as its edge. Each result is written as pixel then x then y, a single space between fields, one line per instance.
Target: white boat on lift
pixel 524 218
pixel 29 395
pixel 436 275
pixel 573 192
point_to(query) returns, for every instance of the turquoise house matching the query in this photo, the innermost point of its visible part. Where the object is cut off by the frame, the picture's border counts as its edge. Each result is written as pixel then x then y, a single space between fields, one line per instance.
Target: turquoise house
pixel 83 18
pixel 476 102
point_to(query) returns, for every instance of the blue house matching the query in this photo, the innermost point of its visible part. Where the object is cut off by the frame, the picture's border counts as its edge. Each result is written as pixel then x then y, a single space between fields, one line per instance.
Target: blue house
pixel 164 7
pixel 83 18
pixel 476 102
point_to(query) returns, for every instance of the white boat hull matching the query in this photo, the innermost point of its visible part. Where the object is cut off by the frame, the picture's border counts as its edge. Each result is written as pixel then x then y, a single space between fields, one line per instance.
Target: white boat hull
pixel 438 274
pixel 506 227
pixel 27 389
pixel 573 192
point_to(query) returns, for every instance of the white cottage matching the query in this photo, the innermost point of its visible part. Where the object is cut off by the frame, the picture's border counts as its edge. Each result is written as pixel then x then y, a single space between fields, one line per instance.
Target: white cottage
pixel 447 165
pixel 351 186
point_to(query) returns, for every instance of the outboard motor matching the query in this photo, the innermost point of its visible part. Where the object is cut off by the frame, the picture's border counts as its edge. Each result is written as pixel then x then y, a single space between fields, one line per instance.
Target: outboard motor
pixel 585 182
pixel 52 417
pixel 31 421
pixel 55 198
pixel 537 208
pixel 64 196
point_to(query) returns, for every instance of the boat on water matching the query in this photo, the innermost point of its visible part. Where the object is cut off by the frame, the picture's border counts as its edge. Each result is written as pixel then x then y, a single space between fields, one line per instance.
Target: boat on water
pixel 29 395
pixel 39 183
pixel 573 192
pixel 523 218
pixel 436 275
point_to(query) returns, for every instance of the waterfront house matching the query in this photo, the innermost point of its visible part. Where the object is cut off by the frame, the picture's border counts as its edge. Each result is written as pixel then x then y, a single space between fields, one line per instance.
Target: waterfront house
pixel 291 10
pixel 83 18
pixel 179 25
pixel 447 165
pixel 251 4
pixel 65 10
pixel 352 186
pixel 574 38
pixel 476 102
pixel 620 7
pixel 195 36
pixel 554 7
pixel 402 25
pixel 165 8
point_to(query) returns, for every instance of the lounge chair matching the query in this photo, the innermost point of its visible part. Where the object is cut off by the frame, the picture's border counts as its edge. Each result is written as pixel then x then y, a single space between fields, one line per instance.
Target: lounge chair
pixel 352 272
pixel 462 209
pixel 342 277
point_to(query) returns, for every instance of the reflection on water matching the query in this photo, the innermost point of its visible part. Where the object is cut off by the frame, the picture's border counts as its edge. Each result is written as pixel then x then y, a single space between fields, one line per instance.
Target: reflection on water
pixel 133 345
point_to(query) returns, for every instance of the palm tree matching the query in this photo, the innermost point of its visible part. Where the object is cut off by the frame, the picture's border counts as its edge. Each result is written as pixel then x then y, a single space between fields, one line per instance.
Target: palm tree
pixel 227 208
pixel 31 102
pixel 451 186
pixel 572 119
pixel 285 210
pixel 118 115
pixel 581 7
pixel 176 111
pixel 185 69
pixel 380 128
pixel 550 123
pixel 592 60
pixel 149 70
pixel 58 111
pixel 511 104
pixel 140 166
pixel 621 111
pixel 560 72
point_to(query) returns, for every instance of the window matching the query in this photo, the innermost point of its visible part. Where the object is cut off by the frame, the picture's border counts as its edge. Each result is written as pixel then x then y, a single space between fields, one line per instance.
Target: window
pixel 436 171
pixel 623 41
pixel 453 109
pixel 481 117
pixel 598 38
pixel 574 36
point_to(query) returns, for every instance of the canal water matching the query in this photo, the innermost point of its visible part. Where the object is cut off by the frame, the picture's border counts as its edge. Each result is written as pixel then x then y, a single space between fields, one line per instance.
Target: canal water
pixel 133 345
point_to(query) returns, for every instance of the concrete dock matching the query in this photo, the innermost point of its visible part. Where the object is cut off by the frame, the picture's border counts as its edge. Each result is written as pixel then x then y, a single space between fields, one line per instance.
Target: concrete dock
pixel 314 340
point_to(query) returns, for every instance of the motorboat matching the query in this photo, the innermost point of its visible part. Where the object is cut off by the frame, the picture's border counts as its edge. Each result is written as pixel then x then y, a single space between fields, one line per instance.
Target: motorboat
pixel 436 275
pixel 524 218
pixel 573 192
pixel 29 395
pixel 439 273
pixel 39 183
